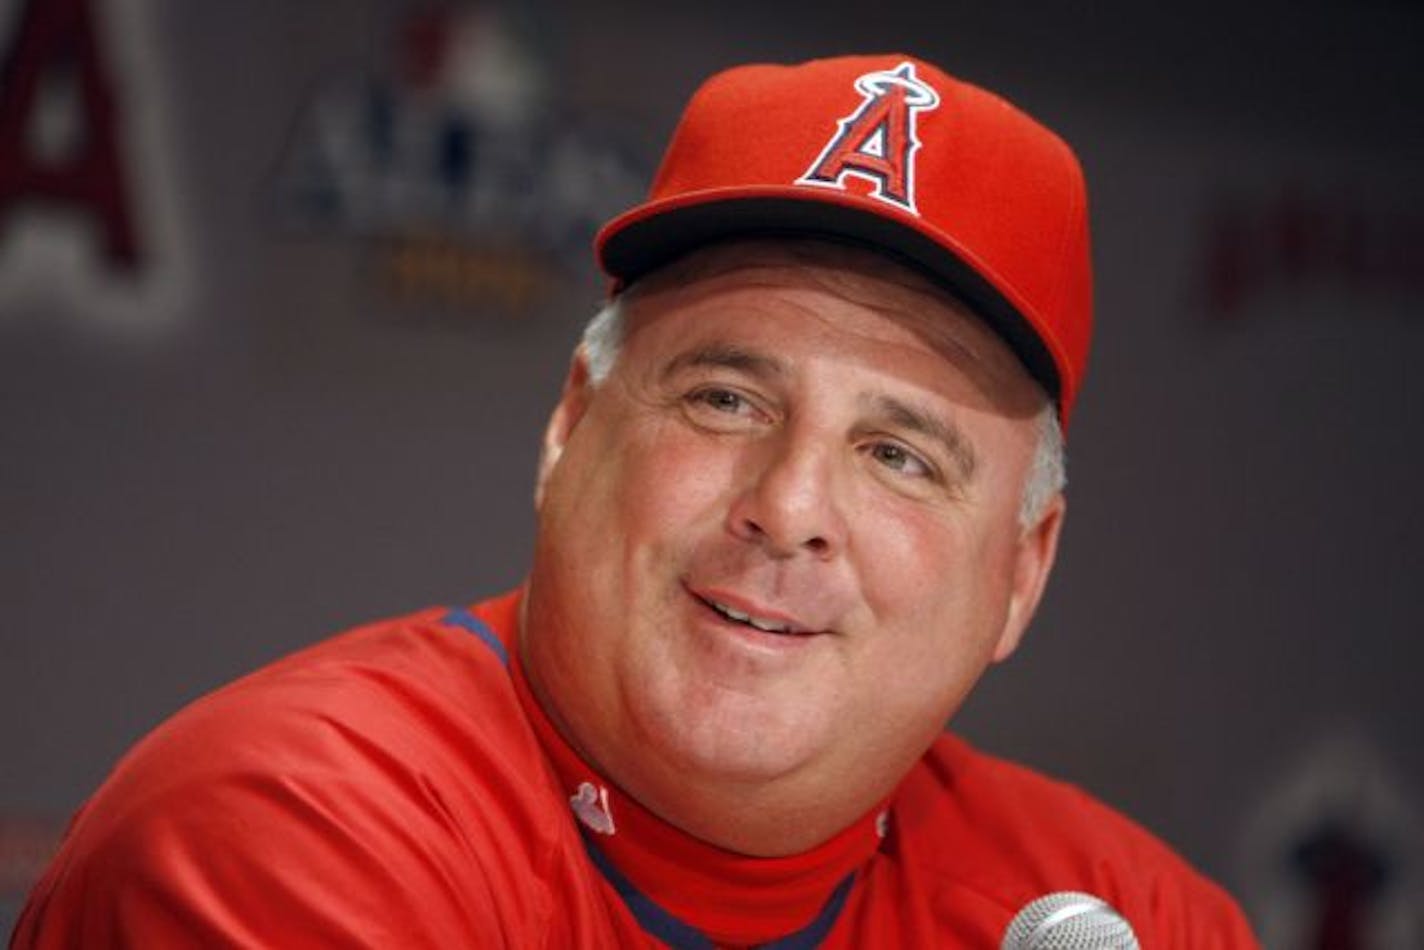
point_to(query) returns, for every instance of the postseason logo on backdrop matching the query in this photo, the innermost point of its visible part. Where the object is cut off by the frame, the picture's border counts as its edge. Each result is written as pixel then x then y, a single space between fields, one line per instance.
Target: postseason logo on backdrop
pixel 460 163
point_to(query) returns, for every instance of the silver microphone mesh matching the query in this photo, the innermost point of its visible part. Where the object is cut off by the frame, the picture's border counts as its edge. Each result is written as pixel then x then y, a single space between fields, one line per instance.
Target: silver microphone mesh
pixel 1069 920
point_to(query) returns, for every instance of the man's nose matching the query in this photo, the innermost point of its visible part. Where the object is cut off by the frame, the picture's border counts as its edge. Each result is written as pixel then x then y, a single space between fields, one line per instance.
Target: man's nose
pixel 791 501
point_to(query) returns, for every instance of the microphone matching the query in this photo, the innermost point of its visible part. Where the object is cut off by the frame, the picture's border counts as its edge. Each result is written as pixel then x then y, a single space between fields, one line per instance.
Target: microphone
pixel 1069 920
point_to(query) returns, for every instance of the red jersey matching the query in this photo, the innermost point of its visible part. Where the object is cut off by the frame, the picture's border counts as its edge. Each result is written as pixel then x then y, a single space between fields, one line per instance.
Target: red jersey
pixel 397 786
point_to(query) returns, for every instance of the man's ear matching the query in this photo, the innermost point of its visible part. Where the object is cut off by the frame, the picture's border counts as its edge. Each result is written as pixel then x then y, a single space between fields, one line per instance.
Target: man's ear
pixel 1033 562
pixel 578 390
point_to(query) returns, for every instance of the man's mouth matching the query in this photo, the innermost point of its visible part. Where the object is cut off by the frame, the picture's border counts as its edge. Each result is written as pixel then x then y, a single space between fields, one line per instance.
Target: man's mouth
pixel 764 624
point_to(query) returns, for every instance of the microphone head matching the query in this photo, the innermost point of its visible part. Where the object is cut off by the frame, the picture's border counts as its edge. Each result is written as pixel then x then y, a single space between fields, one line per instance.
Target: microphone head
pixel 1069 920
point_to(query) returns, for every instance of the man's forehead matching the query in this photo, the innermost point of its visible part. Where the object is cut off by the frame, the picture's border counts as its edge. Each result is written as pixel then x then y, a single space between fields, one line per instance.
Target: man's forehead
pixel 856 274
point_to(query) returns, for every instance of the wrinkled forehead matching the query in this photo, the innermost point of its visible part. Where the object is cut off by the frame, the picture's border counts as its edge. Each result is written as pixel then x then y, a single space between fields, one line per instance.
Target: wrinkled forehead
pixel 866 278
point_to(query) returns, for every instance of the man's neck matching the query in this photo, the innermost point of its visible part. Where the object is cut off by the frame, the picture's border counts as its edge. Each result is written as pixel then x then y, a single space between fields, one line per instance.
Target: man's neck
pixel 724 891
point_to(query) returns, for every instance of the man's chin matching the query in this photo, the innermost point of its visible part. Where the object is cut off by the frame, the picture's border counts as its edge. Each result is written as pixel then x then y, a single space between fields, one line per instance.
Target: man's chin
pixel 741 740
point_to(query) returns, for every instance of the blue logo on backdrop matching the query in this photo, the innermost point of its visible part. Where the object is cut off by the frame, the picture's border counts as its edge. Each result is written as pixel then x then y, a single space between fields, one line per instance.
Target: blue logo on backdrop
pixel 476 183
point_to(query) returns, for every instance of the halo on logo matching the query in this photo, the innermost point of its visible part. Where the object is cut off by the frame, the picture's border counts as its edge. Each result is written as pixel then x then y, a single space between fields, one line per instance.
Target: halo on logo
pixel 918 94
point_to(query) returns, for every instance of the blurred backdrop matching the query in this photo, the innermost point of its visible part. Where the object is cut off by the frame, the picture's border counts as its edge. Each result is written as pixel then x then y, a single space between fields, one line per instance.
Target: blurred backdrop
pixel 287 288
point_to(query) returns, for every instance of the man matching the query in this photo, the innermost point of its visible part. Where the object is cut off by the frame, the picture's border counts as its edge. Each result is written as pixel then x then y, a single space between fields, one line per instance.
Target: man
pixel 801 488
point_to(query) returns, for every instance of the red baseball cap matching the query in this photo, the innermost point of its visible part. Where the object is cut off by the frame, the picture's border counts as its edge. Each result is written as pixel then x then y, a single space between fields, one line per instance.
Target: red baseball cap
pixel 890 152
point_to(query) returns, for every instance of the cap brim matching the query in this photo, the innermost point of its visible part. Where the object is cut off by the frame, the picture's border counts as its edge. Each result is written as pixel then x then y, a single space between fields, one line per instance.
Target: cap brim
pixel 657 233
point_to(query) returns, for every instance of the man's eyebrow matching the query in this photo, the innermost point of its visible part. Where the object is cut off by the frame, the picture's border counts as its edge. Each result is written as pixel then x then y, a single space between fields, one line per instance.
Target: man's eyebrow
pixel 726 356
pixel 926 423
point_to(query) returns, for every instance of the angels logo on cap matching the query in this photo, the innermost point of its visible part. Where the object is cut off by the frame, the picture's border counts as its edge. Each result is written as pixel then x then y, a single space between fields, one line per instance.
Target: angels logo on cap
pixel 877 141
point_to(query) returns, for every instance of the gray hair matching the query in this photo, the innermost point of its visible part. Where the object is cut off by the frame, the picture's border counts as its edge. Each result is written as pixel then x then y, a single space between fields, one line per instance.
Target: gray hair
pixel 1047 474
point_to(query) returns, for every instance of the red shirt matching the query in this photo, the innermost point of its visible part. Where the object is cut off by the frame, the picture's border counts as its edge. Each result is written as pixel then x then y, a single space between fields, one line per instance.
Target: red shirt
pixel 397 786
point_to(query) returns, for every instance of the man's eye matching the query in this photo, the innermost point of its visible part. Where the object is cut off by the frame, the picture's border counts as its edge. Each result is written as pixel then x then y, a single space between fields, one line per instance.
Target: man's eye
pixel 722 400
pixel 724 409
pixel 900 459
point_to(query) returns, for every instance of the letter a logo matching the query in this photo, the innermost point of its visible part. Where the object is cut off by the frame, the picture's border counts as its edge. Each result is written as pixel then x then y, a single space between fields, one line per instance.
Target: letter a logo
pixel 877 142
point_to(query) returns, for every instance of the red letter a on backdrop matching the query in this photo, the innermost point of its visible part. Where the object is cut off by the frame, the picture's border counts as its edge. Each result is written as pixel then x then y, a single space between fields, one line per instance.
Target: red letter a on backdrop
pixel 56 39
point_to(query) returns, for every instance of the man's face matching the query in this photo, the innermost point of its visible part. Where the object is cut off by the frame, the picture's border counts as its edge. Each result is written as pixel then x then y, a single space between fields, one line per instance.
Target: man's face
pixel 780 542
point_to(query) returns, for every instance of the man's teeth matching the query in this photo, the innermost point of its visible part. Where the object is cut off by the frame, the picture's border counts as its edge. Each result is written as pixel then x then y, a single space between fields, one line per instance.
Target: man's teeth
pixel 769 626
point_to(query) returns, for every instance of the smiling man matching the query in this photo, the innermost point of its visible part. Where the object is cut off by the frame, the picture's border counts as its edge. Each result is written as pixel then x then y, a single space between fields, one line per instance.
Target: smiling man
pixel 802 487
pixel 780 539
